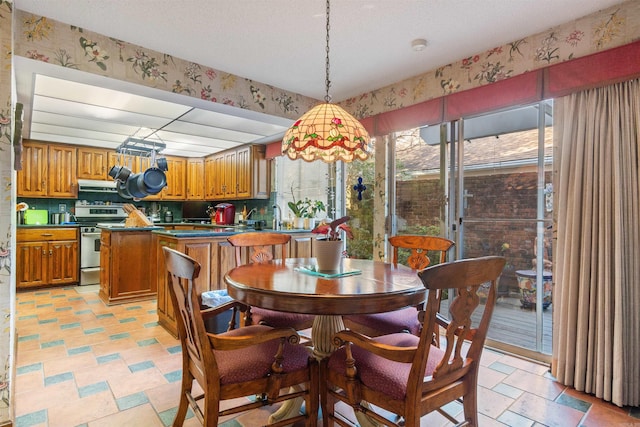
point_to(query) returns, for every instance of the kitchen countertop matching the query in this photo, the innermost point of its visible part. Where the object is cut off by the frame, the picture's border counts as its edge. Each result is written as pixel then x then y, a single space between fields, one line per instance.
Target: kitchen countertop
pixel 219 231
pixel 48 225
pixel 204 230
pixel 121 227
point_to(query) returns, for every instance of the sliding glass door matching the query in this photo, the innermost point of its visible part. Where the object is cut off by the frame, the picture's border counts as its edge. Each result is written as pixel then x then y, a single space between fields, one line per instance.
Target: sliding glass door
pixel 502 190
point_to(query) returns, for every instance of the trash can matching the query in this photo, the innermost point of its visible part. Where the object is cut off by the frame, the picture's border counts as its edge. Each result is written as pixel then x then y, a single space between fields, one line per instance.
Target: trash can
pixel 219 323
pixel 528 288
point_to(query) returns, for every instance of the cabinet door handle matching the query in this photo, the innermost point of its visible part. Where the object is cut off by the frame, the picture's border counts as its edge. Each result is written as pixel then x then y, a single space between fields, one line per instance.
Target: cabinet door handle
pixel 44 253
pixel 50 252
pixel 47 234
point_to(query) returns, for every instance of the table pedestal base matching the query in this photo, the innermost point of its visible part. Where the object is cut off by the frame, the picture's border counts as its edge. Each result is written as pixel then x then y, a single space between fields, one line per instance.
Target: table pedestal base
pixel 324 328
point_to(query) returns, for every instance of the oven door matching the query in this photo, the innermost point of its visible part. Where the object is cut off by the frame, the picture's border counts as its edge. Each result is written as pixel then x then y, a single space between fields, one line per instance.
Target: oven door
pixel 89 249
pixel 89 258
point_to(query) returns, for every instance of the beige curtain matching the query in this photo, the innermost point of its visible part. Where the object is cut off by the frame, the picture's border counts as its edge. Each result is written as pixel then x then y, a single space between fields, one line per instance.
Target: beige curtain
pixel 596 317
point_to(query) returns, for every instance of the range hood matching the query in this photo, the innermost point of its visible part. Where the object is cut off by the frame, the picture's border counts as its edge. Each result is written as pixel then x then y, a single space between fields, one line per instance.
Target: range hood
pixel 97 186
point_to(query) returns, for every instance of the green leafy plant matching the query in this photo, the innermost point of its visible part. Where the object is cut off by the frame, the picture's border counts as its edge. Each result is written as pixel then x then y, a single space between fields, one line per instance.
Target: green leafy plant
pixel 296 207
pixel 306 208
pixel 312 208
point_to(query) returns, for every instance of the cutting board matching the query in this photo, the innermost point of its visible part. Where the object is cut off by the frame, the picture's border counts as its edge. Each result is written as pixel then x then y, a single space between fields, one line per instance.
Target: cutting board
pixel 36 217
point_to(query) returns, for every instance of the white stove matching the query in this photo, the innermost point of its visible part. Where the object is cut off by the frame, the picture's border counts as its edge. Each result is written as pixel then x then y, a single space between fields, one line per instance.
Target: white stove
pixel 91 216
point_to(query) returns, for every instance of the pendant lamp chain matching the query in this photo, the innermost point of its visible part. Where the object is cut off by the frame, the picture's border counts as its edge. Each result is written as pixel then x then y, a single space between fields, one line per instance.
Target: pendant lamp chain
pixel 327 82
pixel 327 131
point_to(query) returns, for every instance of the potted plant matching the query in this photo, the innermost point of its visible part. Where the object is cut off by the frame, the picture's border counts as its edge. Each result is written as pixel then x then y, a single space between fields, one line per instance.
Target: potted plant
pixel 311 210
pixel 329 247
pixel 297 208
pixel 305 212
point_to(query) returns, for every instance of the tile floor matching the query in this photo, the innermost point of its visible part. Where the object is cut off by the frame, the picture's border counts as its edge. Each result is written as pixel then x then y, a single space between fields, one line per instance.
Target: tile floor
pixel 82 363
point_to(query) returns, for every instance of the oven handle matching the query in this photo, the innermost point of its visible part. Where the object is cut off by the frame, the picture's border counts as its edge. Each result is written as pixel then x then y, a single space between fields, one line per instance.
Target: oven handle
pixel 89 234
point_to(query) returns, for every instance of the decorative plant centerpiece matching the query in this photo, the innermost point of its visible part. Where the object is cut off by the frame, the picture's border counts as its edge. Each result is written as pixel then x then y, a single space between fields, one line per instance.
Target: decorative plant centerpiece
pixel 329 248
pixel 332 230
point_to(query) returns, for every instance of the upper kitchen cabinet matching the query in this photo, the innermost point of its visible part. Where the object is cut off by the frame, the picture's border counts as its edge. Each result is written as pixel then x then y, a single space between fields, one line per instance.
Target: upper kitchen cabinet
pixel 253 173
pixel 48 170
pixel 120 159
pixel 92 163
pixel 195 179
pixel 211 178
pixel 176 174
pixel 241 173
pixel 176 188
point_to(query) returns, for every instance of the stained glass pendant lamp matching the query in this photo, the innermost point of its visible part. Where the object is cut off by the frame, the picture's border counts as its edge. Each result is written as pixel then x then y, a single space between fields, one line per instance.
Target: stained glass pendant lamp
pixel 327 132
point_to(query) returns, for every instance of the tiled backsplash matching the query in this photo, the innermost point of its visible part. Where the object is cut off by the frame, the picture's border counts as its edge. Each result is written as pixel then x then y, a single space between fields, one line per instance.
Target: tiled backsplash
pixel 264 210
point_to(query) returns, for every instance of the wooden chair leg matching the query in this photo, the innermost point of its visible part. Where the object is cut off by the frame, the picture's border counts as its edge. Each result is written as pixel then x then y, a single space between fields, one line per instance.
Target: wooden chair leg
pixel 183 406
pixel 470 401
pixel 211 410
pixel 312 399
pixel 324 399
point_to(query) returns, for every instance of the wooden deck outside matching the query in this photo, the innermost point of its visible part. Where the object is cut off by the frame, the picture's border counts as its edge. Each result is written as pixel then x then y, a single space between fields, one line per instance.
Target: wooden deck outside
pixel 514 325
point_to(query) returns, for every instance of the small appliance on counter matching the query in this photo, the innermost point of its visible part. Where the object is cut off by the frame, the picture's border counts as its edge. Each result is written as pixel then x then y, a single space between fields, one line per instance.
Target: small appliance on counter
pixel 36 217
pixel 225 213
pixel 195 211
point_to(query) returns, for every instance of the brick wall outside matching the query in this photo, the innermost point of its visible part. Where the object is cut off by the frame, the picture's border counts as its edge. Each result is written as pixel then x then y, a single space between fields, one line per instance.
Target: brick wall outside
pixel 509 198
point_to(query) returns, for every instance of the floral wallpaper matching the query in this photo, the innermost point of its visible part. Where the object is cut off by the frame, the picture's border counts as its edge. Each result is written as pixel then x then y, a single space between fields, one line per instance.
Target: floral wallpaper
pixel 6 210
pixel 43 39
pixel 616 26
pixel 50 41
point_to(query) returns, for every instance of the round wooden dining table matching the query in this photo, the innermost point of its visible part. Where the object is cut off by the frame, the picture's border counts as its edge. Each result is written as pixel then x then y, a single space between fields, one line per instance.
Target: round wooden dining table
pixel 360 287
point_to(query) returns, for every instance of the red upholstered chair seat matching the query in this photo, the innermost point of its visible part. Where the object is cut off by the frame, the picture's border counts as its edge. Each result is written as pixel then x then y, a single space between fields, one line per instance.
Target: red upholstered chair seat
pixel 246 364
pixel 405 320
pixel 382 374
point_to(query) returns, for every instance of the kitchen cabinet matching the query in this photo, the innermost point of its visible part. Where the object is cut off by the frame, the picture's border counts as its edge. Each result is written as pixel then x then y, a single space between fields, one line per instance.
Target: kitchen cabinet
pixel 220 176
pixel 176 188
pixel 229 173
pixel 240 173
pixel 121 159
pixel 92 163
pixel 301 246
pixel 48 170
pixel 195 179
pixel 254 173
pixel 176 174
pixel 125 266
pixel 46 256
pixel 215 255
pixel 210 179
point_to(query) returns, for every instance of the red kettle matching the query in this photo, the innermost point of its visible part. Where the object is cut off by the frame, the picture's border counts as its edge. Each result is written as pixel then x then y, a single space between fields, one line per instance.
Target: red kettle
pixel 225 213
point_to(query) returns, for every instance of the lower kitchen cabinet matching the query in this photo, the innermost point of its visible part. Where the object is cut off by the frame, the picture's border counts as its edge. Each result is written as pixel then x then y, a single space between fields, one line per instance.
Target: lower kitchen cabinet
pixel 46 256
pixel 125 266
pixel 215 255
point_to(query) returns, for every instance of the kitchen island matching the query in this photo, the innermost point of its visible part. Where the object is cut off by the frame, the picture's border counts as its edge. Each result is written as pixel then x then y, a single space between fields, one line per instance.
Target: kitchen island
pixel 125 264
pixel 214 253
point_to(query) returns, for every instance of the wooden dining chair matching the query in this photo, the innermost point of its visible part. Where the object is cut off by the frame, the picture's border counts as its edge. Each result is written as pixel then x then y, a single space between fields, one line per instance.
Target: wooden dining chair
pixel 405 320
pixel 407 375
pixel 262 247
pixel 257 362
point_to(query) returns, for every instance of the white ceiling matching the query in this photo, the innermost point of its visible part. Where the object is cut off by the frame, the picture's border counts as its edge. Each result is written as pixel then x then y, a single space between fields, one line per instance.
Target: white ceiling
pixel 276 42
